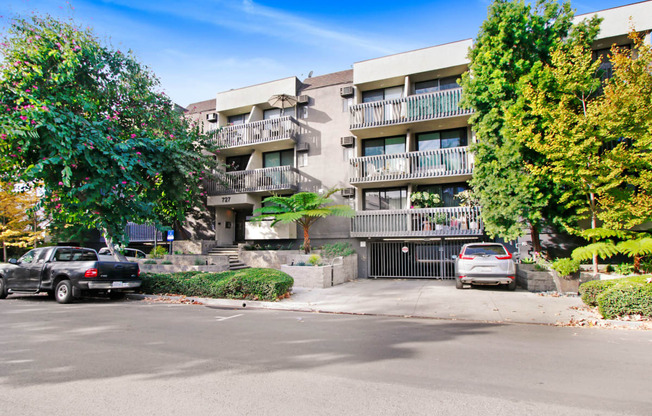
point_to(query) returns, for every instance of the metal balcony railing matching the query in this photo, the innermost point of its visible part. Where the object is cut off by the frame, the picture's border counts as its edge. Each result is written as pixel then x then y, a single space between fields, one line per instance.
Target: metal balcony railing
pixel 257 180
pixel 423 222
pixel 412 165
pixel 257 132
pixel 138 233
pixel 420 107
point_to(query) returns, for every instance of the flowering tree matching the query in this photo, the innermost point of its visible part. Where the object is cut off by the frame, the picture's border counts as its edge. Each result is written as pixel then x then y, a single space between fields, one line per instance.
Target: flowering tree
pixel 19 221
pixel 88 123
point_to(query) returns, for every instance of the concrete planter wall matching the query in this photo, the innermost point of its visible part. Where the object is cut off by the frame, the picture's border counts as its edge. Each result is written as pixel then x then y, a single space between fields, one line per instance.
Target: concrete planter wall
pixel 534 281
pixel 175 268
pixel 186 262
pixel 193 246
pixel 311 277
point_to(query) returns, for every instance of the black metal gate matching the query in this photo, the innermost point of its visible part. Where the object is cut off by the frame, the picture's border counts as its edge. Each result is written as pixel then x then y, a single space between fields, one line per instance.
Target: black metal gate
pixel 414 259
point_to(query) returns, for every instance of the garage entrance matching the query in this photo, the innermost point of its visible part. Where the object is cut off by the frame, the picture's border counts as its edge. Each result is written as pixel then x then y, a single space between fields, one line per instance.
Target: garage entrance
pixel 414 259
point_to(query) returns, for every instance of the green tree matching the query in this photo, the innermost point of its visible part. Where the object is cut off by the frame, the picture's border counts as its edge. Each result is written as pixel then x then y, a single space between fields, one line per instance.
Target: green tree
pixel 89 123
pixel 19 220
pixel 303 208
pixel 513 39
pixel 596 138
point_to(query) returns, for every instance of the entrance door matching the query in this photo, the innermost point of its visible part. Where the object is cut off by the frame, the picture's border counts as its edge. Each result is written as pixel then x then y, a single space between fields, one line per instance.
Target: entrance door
pixel 240 221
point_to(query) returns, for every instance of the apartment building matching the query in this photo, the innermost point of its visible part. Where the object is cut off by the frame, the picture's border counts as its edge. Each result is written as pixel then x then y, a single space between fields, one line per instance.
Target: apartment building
pixel 386 130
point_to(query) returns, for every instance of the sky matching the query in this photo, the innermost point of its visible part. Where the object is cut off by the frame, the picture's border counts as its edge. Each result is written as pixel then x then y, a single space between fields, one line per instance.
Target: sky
pixel 200 48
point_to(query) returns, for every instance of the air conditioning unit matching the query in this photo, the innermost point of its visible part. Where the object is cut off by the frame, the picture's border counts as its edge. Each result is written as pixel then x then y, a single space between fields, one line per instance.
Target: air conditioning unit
pixel 348 141
pixel 303 99
pixel 346 91
pixel 303 147
pixel 348 192
pixel 212 117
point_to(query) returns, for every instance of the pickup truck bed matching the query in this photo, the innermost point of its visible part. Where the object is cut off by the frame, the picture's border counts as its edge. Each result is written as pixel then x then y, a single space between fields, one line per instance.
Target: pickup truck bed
pixel 67 273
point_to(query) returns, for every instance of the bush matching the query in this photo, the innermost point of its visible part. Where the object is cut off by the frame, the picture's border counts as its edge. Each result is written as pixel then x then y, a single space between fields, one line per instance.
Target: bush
pixel 257 284
pixel 199 261
pixel 337 249
pixel 619 296
pixel 166 262
pixel 566 267
pixel 626 299
pixel 149 261
pixel 624 268
pixel 314 260
pixel 158 252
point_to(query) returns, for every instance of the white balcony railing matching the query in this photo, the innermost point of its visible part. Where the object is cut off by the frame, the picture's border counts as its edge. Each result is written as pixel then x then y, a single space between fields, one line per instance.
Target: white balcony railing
pixel 257 132
pixel 423 222
pixel 257 180
pixel 420 107
pixel 412 165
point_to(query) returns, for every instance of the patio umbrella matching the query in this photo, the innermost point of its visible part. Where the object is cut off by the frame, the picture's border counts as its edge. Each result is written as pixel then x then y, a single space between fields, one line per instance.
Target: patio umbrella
pixel 282 101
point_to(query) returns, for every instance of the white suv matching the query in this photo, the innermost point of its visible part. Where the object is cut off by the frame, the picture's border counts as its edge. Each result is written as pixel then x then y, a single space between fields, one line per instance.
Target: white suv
pixel 485 264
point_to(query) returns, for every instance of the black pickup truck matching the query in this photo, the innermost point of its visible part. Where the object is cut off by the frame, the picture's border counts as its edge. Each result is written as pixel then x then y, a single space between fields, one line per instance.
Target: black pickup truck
pixel 67 273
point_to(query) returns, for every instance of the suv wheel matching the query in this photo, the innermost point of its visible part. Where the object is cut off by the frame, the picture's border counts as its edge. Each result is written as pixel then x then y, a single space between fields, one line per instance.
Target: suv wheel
pixel 63 292
pixel 458 283
pixel 512 285
pixel 3 288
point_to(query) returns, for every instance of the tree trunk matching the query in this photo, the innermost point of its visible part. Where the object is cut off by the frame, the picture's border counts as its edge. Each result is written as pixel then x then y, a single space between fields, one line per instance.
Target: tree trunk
pixel 109 243
pixel 4 251
pixel 594 225
pixel 306 241
pixel 534 235
pixel 637 264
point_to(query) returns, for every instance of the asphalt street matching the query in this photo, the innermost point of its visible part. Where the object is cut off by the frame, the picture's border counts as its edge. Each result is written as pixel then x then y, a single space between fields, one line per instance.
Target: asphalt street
pixel 102 357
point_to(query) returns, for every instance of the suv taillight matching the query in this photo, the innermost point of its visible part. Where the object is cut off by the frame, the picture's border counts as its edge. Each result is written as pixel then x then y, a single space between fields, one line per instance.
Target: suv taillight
pixel 507 257
pixel 463 257
pixel 90 273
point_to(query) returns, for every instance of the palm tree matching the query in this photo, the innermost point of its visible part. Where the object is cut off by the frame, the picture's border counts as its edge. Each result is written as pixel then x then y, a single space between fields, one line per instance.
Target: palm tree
pixel 303 208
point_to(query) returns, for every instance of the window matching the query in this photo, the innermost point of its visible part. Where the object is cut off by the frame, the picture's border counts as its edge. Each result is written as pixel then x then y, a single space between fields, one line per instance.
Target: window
pixel 27 257
pixel 272 113
pixel 446 192
pixel 42 256
pixel 441 139
pixel 383 199
pixel 280 158
pixel 384 146
pixel 237 119
pixel 236 163
pixel 382 94
pixel 435 85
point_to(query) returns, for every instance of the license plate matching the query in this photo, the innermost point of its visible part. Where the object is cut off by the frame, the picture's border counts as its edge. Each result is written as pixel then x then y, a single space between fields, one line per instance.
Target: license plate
pixel 117 284
pixel 481 269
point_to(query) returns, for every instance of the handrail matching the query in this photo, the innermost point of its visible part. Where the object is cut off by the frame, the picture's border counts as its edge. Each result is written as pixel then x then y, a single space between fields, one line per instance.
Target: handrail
pixel 255 180
pixel 448 221
pixel 411 165
pixel 257 132
pixel 418 107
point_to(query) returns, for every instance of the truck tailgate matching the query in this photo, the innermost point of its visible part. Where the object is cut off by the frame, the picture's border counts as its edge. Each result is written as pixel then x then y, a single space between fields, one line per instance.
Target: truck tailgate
pixel 112 270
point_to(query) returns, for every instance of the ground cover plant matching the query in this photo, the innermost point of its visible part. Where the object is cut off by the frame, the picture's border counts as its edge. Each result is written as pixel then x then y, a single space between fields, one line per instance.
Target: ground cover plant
pixel 254 283
pixel 619 297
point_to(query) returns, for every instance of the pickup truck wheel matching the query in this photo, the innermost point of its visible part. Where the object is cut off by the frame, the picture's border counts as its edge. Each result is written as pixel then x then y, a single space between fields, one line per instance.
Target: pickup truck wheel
pixel 3 288
pixel 63 292
pixel 116 295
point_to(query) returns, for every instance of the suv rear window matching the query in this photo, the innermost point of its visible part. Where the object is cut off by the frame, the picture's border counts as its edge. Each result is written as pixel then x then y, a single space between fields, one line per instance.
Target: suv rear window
pixel 485 250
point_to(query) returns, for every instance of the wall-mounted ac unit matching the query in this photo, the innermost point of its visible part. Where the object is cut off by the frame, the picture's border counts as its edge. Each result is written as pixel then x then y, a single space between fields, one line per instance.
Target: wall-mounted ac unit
pixel 303 147
pixel 212 117
pixel 348 192
pixel 346 91
pixel 303 99
pixel 348 141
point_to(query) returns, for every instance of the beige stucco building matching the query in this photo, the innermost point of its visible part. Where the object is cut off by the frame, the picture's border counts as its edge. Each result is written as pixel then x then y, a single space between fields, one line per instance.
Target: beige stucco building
pixel 383 131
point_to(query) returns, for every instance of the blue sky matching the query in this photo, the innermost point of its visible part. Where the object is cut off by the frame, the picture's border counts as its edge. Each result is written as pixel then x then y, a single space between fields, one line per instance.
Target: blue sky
pixel 199 48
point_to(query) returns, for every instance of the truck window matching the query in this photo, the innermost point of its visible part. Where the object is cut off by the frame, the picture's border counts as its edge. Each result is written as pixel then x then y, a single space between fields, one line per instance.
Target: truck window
pixel 27 257
pixel 42 256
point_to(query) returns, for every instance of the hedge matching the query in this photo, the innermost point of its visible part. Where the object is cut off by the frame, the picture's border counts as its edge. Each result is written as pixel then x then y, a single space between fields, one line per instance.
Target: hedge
pixel 626 300
pixel 618 297
pixel 594 288
pixel 256 284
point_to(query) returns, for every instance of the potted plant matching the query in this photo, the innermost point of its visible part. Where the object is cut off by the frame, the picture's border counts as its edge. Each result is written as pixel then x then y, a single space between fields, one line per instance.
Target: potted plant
pixel 441 220
pixel 425 200
pixel 566 275
pixel 469 199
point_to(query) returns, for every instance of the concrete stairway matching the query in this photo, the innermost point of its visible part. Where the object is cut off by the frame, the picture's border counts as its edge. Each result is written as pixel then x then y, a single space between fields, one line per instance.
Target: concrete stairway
pixel 232 251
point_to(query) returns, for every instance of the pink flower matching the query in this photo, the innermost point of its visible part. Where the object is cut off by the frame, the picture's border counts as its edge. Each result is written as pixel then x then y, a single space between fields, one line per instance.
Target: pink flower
pixel 138 153
pixel 124 182
pixel 86 178
pixel 171 136
pixel 133 136
pixel 45 108
pixel 60 183
pixel 23 117
pixel 28 90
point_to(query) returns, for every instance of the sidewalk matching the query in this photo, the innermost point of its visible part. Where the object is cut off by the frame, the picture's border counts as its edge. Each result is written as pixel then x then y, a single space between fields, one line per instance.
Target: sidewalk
pixel 437 299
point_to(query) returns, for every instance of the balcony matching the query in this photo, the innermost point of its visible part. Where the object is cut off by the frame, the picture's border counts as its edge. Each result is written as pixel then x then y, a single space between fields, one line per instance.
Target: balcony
pixel 415 108
pixel 411 167
pixel 424 222
pixel 264 135
pixel 276 179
